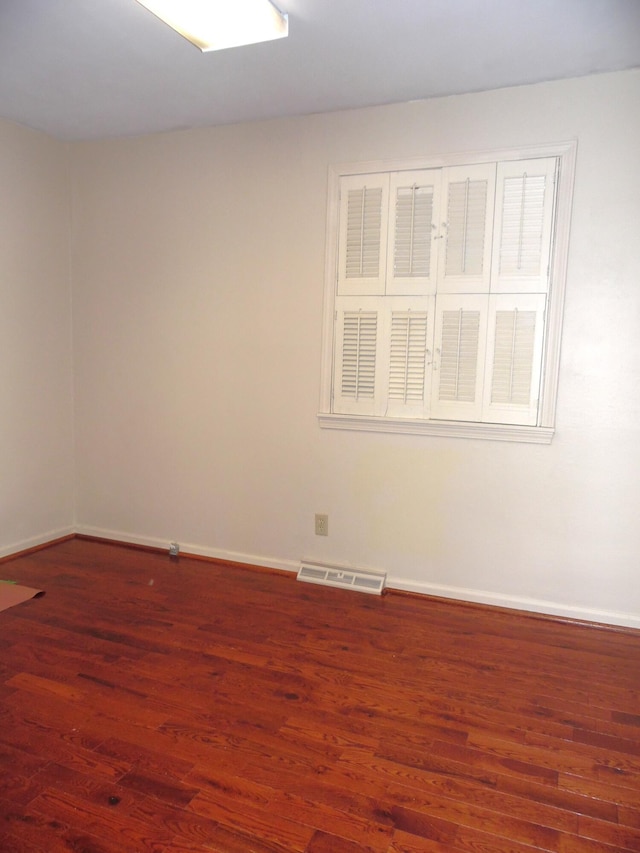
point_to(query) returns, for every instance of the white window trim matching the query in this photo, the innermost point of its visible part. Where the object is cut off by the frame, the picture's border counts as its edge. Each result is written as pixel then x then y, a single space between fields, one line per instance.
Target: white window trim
pixel 543 432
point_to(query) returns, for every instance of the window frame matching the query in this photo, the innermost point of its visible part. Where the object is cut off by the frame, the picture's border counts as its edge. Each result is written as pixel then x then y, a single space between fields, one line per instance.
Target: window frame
pixel 543 431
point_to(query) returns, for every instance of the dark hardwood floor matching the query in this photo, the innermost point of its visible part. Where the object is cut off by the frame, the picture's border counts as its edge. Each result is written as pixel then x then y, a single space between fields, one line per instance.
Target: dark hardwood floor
pixel 149 704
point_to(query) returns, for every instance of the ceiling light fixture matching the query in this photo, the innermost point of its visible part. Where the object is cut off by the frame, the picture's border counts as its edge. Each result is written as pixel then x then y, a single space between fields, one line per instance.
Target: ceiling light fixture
pixel 218 24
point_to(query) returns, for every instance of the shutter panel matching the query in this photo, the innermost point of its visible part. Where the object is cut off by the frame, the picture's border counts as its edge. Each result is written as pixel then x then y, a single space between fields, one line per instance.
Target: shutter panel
pixel 411 333
pixel 359 354
pixel 358 339
pixel 415 199
pixel 514 363
pixel 364 202
pixel 460 341
pixel 465 262
pixel 524 220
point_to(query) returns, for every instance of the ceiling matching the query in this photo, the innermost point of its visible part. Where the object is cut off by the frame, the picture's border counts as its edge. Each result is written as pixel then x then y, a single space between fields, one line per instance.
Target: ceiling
pixel 87 69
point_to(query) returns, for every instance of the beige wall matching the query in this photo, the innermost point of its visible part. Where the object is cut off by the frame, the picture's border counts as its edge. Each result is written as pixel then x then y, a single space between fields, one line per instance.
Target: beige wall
pixel 36 405
pixel 198 274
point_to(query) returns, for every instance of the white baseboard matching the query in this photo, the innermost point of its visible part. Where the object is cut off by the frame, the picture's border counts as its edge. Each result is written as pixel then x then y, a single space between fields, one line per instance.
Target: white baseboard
pixel 475 596
pixel 189 548
pixel 531 605
pixel 34 541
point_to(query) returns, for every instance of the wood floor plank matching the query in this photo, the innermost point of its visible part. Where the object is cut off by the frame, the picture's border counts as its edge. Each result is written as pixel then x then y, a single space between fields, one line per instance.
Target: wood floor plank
pixel 253 821
pixel 114 829
pixel 315 806
pixel 325 842
pixel 150 705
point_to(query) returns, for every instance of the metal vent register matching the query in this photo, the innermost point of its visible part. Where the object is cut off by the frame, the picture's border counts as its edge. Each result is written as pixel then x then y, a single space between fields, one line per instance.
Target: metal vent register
pixel 340 576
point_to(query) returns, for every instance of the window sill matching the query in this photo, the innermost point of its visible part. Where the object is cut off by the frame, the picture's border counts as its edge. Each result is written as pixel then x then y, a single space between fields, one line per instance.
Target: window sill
pixel 444 429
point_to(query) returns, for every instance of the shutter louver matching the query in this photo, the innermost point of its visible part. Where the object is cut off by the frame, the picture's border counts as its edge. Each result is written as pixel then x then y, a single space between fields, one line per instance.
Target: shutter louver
pixel 407 356
pixel 412 245
pixel 466 228
pixel 459 356
pixel 364 223
pixel 523 226
pixel 359 355
pixel 514 358
pixel 515 338
pixel 522 213
pixel 465 265
pixel 414 213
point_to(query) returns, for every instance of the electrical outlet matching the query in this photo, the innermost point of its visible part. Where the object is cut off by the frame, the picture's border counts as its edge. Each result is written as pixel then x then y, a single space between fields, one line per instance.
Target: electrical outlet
pixel 174 549
pixel 322 525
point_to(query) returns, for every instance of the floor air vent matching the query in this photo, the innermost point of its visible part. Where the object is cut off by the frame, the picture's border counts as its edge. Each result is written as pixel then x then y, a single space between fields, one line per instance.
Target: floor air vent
pixel 340 576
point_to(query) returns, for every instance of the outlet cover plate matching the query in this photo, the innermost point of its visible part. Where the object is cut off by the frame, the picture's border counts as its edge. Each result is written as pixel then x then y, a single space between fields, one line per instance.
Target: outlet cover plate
pixel 322 524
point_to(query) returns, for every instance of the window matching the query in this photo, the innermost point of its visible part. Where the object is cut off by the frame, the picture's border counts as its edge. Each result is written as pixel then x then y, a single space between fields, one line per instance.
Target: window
pixel 444 294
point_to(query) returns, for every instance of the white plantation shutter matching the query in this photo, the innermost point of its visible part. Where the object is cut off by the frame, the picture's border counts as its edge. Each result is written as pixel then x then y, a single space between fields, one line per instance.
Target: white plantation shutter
pixel 414 199
pixel 514 358
pixel 364 203
pixel 409 357
pixel 357 376
pixel 364 222
pixel 466 223
pixel 465 262
pixel 460 340
pixel 438 299
pixel 524 218
pixel 359 354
